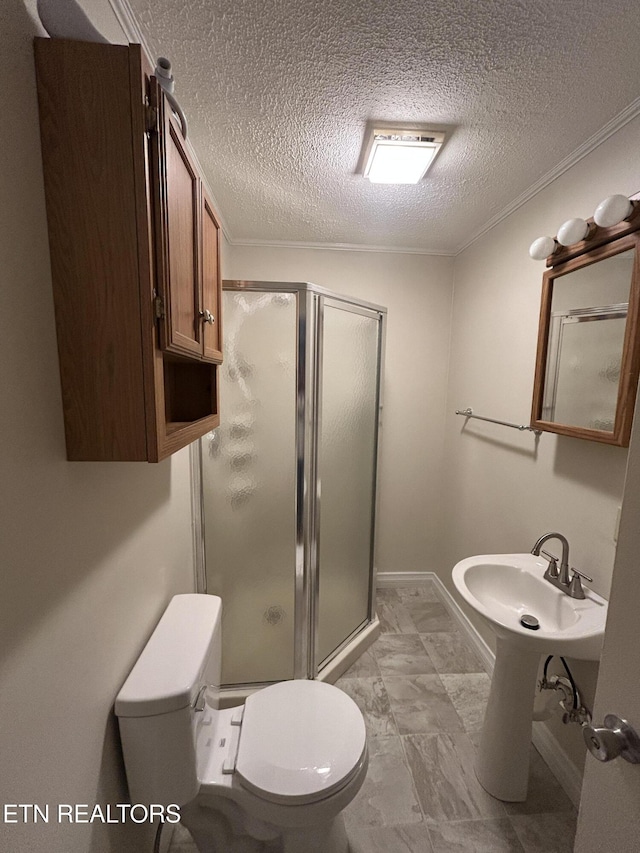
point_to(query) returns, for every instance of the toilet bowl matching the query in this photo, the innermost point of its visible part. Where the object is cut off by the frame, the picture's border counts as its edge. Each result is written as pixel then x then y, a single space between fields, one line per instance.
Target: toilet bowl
pixel 273 774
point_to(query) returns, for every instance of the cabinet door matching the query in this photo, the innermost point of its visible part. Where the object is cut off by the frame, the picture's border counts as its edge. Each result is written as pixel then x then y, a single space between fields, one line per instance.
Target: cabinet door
pixel 211 300
pixel 177 213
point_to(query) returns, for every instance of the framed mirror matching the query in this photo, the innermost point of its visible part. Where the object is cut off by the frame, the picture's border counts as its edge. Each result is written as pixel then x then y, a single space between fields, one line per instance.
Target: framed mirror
pixel 588 355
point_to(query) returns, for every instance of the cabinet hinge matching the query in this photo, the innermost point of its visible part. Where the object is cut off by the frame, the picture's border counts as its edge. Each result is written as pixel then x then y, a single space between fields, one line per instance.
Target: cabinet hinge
pixel 158 304
pixel 151 119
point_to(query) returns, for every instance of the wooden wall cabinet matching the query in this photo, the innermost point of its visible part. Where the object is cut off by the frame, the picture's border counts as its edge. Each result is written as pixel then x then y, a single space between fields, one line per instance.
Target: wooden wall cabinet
pixel 211 281
pixel 135 248
pixel 186 243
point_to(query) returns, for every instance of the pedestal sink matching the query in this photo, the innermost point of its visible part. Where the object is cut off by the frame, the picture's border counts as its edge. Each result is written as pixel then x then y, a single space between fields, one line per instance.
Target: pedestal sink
pixel 503 588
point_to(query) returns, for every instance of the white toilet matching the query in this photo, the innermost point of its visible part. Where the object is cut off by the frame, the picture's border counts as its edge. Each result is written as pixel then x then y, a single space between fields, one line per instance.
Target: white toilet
pixel 271 775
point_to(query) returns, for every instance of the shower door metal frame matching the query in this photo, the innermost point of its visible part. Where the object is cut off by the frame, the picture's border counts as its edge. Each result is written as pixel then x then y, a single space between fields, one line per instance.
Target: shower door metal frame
pixel 310 300
pixel 378 314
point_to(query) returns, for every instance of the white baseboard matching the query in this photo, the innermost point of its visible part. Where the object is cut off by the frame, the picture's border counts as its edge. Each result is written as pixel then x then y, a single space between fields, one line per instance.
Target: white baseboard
pixel 467 627
pixel 565 771
pixel 391 579
pixel 562 767
pixel 386 579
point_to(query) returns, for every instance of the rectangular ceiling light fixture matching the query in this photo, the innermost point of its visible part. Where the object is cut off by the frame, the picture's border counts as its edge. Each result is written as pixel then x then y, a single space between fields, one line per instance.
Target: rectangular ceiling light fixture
pixel 401 156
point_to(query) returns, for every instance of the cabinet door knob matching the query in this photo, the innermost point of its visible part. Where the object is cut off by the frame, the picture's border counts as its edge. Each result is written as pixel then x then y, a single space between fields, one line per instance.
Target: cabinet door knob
pixel 615 738
pixel 207 316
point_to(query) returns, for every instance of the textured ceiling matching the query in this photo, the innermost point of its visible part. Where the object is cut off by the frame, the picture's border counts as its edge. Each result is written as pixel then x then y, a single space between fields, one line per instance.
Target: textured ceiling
pixel 278 94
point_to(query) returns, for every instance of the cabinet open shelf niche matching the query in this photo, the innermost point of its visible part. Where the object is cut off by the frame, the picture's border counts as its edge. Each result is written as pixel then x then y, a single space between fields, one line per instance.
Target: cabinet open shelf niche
pixel 190 393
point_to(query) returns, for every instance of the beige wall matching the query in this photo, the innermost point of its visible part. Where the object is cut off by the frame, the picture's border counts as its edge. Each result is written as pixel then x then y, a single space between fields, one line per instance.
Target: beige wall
pixel 416 289
pixel 91 552
pixel 504 488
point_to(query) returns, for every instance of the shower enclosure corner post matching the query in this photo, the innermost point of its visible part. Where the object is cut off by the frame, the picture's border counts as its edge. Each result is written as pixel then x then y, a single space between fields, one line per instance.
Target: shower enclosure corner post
pixel 306 544
pixel 315 412
pixel 375 508
pixel 197 517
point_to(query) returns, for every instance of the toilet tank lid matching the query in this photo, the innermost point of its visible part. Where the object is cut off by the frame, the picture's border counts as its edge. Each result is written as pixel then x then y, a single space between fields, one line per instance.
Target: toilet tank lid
pixel 168 673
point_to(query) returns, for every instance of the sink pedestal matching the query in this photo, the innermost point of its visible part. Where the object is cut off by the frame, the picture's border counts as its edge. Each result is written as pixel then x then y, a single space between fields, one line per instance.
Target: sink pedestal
pixel 502 766
pixel 502 588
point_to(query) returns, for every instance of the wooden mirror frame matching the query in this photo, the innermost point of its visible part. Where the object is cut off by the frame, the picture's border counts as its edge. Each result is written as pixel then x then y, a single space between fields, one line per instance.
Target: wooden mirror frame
pixel 601 243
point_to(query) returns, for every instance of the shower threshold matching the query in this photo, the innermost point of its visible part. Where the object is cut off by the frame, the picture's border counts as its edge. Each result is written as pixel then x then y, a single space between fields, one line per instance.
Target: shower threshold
pixel 338 664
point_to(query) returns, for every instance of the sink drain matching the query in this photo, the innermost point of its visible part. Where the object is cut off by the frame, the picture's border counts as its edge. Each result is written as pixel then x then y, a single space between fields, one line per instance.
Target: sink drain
pixel 530 622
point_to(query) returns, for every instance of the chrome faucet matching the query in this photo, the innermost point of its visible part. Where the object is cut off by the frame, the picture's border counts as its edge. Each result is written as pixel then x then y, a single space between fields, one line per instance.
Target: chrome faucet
pixel 559 577
pixel 552 574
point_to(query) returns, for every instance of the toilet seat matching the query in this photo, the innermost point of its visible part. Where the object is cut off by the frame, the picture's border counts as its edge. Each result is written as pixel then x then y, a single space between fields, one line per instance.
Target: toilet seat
pixel 300 741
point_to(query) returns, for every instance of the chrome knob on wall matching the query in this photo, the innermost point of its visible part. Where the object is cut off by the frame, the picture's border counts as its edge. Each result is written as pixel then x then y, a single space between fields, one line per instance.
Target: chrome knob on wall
pixel 615 738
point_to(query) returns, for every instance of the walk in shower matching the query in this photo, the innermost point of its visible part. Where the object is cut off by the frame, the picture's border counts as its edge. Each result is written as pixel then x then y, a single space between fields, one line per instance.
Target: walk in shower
pixel 288 481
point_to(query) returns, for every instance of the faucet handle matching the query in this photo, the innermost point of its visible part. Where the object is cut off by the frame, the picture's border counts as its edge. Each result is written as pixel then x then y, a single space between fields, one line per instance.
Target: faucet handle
pixel 575 585
pixel 576 572
pixel 552 569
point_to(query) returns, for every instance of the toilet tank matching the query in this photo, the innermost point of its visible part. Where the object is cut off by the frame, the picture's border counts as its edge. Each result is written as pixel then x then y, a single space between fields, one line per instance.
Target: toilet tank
pixel 156 705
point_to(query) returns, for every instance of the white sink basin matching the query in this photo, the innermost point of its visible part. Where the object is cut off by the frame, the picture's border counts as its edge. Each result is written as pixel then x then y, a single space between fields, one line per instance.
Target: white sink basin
pixel 502 588
pixel 505 587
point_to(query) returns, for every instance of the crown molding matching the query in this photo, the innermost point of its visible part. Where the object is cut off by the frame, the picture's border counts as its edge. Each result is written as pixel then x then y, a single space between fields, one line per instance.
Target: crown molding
pixel 339 247
pixel 131 29
pixel 123 12
pixel 613 126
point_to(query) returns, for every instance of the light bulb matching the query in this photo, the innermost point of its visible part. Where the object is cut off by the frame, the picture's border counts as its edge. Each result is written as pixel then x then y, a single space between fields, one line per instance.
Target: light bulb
pixel 572 231
pixel 611 211
pixel 541 248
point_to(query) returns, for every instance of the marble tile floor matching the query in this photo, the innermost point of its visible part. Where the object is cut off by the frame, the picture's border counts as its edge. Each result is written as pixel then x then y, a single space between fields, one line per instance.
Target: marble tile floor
pixel 422 690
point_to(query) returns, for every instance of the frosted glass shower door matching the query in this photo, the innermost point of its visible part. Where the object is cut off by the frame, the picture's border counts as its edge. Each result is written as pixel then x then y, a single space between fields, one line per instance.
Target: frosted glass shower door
pixel 249 488
pixel 346 470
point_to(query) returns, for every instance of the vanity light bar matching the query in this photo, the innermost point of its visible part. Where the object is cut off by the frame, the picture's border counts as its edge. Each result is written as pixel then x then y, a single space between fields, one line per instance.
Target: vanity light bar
pixel 610 212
